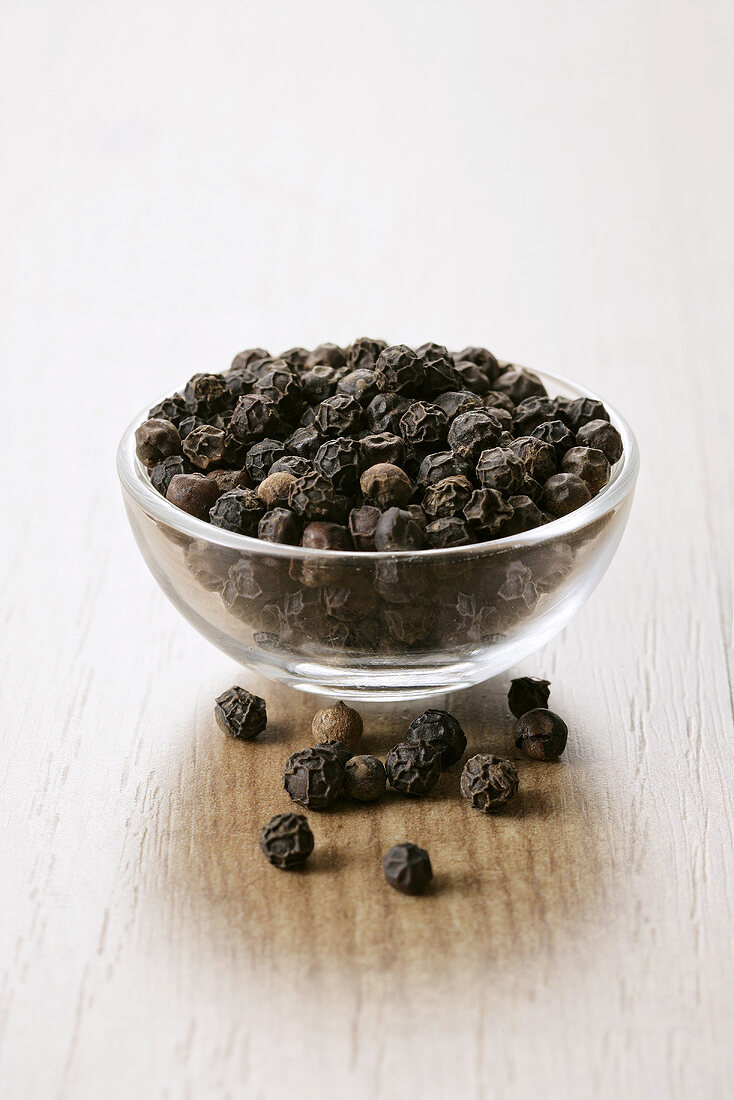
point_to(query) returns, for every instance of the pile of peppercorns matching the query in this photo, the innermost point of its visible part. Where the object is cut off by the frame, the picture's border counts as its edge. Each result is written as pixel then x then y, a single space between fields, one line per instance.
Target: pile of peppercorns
pixel 316 777
pixel 376 447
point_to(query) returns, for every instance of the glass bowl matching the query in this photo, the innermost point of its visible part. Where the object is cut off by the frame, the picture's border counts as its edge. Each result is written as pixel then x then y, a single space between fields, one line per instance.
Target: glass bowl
pixel 380 625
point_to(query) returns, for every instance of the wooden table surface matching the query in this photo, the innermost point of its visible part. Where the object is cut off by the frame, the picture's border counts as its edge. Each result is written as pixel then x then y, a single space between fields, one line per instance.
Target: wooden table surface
pixel 182 180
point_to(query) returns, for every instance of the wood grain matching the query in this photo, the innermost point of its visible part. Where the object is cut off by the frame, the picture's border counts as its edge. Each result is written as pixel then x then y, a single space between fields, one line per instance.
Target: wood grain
pixel 185 180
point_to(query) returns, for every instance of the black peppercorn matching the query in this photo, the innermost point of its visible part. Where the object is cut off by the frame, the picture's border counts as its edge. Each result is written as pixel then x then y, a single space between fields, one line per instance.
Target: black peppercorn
pixel 312 496
pixel 519 383
pixel 280 525
pixel 260 458
pixel 254 418
pixel 564 493
pixel 439 369
pixel 440 465
pixel 364 778
pixel 313 778
pixel 408 868
pixel 533 411
pixel 192 493
pixel 241 714
pixel 363 353
pixel 336 748
pixel 473 432
pixel 538 458
pixel 338 415
pixel 339 460
pixel 362 524
pixel 447 532
pixel 582 411
pixel 384 412
pixel 526 516
pixel 381 447
pixel 397 530
pixel 440 728
pixel 454 402
pixel 447 497
pixel 204 447
pixel 156 440
pixel 238 510
pixel 541 734
pixel 603 436
pixel 386 486
pixel 414 767
pixel 295 356
pixel 488 783
pixel 480 357
pixel 188 424
pixel 502 470
pixel 590 465
pixel 399 370
pixel 359 384
pixel 526 693
pixel 205 394
pixel 162 473
pixel 282 386
pixel 292 464
pixel 172 409
pixel 287 841
pixel 243 359
pixel 424 426
pixel 558 434
pixel 499 402
pixel 329 355
pixel 486 512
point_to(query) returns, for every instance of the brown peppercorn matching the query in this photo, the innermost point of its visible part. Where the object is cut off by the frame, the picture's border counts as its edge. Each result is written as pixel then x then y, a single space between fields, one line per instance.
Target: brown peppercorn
pixel 326 536
pixel 541 734
pixel 365 778
pixel 229 479
pixel 386 486
pixel 241 714
pixel 337 722
pixel 488 782
pixel 156 440
pixel 193 493
pixel 273 490
pixel 204 447
pixel 362 524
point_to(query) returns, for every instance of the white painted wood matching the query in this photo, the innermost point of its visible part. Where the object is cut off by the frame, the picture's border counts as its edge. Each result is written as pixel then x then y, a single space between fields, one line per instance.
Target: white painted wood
pixel 182 180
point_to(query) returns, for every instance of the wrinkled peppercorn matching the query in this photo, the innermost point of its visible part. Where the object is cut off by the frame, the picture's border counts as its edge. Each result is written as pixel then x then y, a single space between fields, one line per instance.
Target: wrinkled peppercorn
pixel 360 384
pixel 365 779
pixel 320 535
pixel 447 497
pixel 447 532
pixel 519 383
pixel 527 693
pixel 440 728
pixel 314 778
pixel 558 434
pixel 488 783
pixel 312 496
pixel 156 440
pixel 280 525
pixel 538 458
pixel 362 524
pixel 424 426
pixel 339 415
pixel 338 722
pixel 384 412
pixel 363 353
pixel 386 486
pixel 287 841
pixel 241 714
pixel 162 473
pixel 526 515
pixel 541 734
pixel 414 767
pixel 399 370
pixel 487 511
pixel 381 447
pixel 473 432
pixel 603 436
pixel 192 493
pixel 502 470
pixel 260 458
pixel 204 447
pixel 590 465
pixel 238 510
pixel 533 411
pixel 330 355
pixel 397 530
pixel 205 394
pixel 339 460
pixel 254 418
pixel 564 493
pixel 292 464
pixel 440 465
pixel 408 868
pixel 582 411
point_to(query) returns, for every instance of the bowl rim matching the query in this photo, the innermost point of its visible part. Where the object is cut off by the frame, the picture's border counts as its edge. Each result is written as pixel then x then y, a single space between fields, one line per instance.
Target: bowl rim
pixel 134 479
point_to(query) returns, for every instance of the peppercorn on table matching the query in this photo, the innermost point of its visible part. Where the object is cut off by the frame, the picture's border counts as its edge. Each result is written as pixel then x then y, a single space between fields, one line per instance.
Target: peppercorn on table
pixel 187 181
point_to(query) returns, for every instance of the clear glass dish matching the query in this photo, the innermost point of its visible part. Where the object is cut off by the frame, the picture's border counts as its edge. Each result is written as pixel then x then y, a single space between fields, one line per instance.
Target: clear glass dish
pixel 380 625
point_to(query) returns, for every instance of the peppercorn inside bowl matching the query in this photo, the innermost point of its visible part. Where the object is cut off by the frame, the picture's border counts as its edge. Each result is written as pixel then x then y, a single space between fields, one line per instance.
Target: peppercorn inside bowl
pixel 316 613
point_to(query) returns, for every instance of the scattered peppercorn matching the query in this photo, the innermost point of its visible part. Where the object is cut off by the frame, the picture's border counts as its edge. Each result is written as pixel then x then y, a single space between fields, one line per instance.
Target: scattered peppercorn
pixel 287 841
pixel 408 868
pixel 488 783
pixel 438 727
pixel 338 722
pixel 541 734
pixel 526 693
pixel 414 767
pixel 314 777
pixel 365 778
pixel 240 713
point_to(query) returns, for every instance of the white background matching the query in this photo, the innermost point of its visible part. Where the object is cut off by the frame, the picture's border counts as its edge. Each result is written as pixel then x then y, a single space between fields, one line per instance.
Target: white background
pixel 181 180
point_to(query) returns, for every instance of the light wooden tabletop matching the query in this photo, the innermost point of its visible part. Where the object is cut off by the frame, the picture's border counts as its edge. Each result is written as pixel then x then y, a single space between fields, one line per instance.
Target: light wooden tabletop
pixel 182 180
